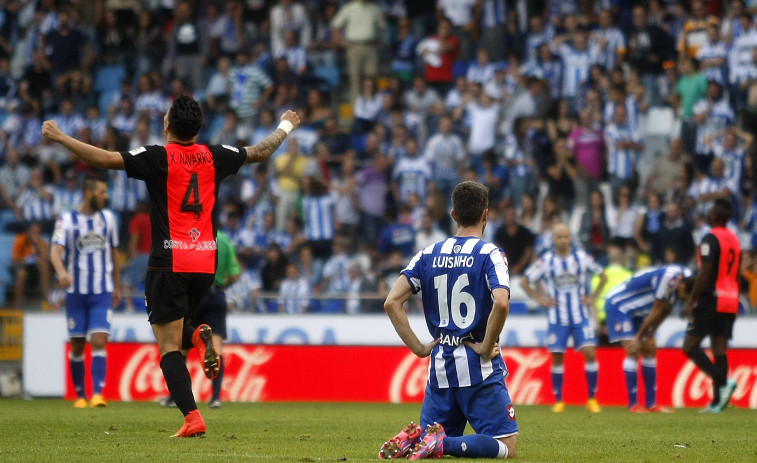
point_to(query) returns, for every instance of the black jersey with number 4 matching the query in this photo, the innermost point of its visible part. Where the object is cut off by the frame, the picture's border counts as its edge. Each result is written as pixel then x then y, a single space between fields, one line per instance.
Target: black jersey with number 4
pixel 183 181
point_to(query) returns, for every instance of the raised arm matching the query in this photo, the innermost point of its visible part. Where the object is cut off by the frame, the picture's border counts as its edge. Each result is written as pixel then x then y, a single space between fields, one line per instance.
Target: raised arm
pixel 262 150
pixel 92 155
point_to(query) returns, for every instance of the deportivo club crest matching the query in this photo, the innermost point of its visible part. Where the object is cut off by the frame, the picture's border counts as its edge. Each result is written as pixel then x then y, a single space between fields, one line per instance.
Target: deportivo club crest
pixel 194 234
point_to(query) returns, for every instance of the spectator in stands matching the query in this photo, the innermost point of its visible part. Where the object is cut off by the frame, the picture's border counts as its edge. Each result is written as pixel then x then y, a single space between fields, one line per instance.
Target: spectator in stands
pixel 520 162
pixel 149 42
pixel 426 234
pixel 691 87
pixel 676 234
pixel 344 189
pixel 367 107
pixel 273 271
pixel 694 30
pixel 217 91
pixel 336 274
pixel 621 218
pixel 481 119
pixel 445 153
pixel 649 224
pixel 577 58
pixel 294 292
pixel 289 170
pixel 731 146
pixel 562 120
pixel 648 47
pixel 624 144
pixel 137 255
pixel 231 132
pixel 31 264
pixel 712 54
pixel 411 174
pixel 226 34
pixel 322 50
pixel 186 58
pixel 711 116
pixel 439 53
pixel 67 48
pixel 610 40
pixel 403 52
pixel 594 232
pixel 359 26
pixel 289 15
pixel 68 197
pixel 250 88
pixel 371 197
pixel 13 179
pixel 666 169
pixel 35 202
pixel 712 186
pixel 396 235
pixel 561 174
pixel 318 216
pixel 294 53
pixel 310 268
pixel 516 240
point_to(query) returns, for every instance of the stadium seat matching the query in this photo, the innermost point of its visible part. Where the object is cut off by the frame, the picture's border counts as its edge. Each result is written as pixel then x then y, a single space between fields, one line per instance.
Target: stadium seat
pixel 328 74
pixel 108 78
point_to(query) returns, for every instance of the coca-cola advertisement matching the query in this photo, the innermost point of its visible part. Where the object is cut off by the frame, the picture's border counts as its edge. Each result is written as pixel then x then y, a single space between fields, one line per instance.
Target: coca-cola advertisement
pixel 394 374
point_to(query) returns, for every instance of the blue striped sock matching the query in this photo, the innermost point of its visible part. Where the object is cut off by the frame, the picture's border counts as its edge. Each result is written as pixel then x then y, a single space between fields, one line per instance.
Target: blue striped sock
pixel 98 371
pixel 557 377
pixel 472 446
pixel 649 374
pixel 76 363
pixel 631 372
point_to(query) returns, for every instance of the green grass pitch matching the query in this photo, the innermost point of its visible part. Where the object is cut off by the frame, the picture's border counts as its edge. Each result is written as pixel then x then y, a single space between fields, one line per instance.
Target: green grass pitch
pixel 52 430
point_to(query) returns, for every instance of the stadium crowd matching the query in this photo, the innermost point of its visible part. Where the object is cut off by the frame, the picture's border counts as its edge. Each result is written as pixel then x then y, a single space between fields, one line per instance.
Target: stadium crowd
pixel 625 120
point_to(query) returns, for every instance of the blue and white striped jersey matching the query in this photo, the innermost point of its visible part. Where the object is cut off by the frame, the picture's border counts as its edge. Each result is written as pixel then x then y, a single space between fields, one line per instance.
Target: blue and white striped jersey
pixel 719 116
pixel 294 295
pixel 632 111
pixel 126 192
pixel 456 278
pixel 493 13
pixel 319 217
pixel 565 278
pixel 412 176
pixel 34 207
pixel 576 65
pixel 66 200
pixel 711 51
pixel 615 45
pixel 637 295
pixel 621 162
pixel 88 242
pixel 733 163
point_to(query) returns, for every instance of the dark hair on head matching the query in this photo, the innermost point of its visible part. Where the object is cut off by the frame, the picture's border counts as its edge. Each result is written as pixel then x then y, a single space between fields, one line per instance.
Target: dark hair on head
pixel 469 200
pixel 721 211
pixel 90 182
pixel 688 283
pixel 185 117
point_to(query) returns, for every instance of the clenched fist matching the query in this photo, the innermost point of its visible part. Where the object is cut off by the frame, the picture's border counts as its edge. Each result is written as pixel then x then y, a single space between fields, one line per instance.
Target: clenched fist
pixel 292 117
pixel 51 131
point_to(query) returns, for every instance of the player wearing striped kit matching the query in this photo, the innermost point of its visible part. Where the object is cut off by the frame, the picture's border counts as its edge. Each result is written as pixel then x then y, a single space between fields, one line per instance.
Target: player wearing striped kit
pixel 635 309
pixel 85 258
pixel 564 274
pixel 464 283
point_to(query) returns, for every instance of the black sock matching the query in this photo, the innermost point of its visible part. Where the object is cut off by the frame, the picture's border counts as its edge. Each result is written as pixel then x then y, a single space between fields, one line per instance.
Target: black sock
pixel 218 380
pixel 703 362
pixel 178 381
pixel 186 337
pixel 721 370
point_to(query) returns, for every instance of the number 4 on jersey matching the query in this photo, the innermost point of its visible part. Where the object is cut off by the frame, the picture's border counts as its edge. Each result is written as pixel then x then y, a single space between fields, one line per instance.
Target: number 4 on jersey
pixel 193 191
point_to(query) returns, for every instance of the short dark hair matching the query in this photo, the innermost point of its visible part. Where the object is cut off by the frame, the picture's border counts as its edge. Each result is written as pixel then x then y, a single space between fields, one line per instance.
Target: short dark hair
pixel 90 182
pixel 469 200
pixel 185 117
pixel 721 211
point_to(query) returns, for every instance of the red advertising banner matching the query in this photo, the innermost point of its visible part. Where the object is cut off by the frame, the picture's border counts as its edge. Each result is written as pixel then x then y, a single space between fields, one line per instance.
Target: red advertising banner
pixel 394 374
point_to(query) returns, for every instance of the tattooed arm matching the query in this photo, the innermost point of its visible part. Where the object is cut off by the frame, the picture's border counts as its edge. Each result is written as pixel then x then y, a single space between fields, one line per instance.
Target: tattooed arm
pixel 262 150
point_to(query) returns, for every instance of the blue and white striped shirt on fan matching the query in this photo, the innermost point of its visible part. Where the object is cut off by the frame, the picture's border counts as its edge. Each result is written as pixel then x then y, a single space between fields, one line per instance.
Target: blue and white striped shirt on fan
pixel 318 212
pixel 621 163
pixel 566 278
pixel 493 13
pixel 456 278
pixel 34 207
pixel 576 65
pixel 66 200
pixel 88 242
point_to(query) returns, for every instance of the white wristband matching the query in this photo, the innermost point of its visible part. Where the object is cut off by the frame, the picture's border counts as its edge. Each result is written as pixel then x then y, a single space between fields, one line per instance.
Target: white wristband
pixel 286 126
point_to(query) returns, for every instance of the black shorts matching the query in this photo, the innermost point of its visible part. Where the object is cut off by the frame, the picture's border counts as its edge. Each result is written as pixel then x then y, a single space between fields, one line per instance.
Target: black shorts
pixel 171 296
pixel 212 311
pixel 709 322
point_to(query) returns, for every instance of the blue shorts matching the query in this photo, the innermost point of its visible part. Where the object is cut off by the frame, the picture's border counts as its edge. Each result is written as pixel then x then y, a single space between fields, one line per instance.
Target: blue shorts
pixel 583 335
pixel 486 406
pixel 88 313
pixel 620 325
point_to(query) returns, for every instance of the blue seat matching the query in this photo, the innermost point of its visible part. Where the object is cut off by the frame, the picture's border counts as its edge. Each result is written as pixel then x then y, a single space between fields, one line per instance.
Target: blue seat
pixel 329 74
pixel 108 78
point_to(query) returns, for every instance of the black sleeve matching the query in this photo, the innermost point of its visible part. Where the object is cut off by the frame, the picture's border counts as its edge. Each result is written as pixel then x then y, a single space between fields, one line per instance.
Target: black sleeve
pixel 709 250
pixel 228 159
pixel 142 163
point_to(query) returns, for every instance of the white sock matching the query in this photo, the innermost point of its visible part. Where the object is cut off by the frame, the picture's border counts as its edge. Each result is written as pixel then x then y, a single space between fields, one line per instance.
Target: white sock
pixel 503 450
